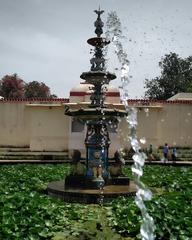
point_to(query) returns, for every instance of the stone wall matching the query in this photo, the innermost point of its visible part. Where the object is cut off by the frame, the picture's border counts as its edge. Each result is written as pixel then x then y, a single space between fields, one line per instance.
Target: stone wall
pixel 14 124
pixel 163 122
pixel 43 126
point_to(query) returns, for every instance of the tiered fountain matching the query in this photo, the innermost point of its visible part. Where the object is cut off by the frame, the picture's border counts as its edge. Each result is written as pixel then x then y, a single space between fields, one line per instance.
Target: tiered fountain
pixel 96 177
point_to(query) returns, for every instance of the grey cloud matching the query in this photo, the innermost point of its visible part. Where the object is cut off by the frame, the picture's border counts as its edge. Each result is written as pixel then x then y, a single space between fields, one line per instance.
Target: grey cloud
pixel 45 40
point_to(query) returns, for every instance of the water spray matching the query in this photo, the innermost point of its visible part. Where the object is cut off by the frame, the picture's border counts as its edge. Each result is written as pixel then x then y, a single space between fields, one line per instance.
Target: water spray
pixel 114 34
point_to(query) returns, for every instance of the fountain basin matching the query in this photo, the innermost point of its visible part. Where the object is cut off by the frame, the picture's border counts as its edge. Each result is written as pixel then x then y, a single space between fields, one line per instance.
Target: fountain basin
pixel 86 113
pixel 95 113
pixel 81 195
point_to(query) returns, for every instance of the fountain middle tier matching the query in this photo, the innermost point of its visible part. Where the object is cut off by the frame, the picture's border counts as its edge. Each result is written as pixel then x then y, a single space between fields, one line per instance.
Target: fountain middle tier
pixel 84 111
pixel 98 41
pixel 97 77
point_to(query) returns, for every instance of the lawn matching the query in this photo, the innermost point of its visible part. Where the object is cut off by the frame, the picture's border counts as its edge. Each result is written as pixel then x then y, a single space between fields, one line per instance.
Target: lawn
pixel 26 212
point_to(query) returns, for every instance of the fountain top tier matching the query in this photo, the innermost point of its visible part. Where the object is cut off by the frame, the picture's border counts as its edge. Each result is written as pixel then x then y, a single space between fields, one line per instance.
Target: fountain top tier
pixel 98 76
pixel 98 41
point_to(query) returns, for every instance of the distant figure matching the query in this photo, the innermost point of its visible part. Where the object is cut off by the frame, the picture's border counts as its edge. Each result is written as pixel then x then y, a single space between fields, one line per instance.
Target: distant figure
pixel 150 153
pixel 174 154
pixel 78 167
pixel 165 152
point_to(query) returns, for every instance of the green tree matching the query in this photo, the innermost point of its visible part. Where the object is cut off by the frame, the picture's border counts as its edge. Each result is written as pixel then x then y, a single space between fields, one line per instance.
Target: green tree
pixel 36 89
pixel 176 76
pixel 11 86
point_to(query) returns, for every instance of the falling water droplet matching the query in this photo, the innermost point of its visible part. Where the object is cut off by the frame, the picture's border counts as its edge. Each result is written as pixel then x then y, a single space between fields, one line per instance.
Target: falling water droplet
pixel 143 140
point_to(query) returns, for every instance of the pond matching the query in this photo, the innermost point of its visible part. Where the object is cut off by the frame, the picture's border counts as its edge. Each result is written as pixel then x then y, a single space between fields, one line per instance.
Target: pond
pixel 26 212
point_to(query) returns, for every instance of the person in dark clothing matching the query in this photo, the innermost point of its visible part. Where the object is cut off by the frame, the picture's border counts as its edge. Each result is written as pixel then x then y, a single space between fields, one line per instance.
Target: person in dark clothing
pixel 165 152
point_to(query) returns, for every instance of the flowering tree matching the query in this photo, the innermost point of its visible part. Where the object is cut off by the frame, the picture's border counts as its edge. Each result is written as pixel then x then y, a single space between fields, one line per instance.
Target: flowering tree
pixel 11 86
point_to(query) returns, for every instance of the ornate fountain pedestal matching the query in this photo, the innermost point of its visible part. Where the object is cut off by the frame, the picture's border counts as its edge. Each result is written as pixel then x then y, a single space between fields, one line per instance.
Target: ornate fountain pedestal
pixel 96 178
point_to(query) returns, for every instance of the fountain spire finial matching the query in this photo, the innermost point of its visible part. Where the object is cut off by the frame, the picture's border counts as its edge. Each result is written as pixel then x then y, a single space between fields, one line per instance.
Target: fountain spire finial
pixel 98 23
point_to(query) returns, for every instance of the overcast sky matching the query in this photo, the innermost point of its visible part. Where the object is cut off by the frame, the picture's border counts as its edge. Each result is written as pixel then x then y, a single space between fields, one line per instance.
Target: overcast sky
pixel 45 40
